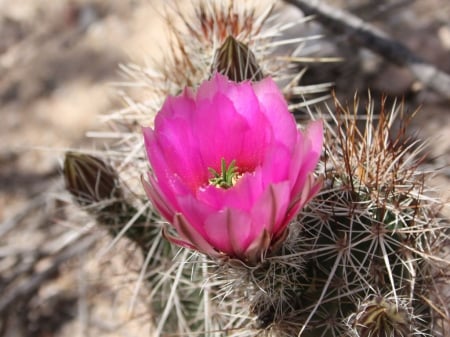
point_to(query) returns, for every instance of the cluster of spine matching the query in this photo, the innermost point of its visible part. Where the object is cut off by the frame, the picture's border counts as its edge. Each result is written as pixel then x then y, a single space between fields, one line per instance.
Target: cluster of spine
pixel 365 255
pixel 361 260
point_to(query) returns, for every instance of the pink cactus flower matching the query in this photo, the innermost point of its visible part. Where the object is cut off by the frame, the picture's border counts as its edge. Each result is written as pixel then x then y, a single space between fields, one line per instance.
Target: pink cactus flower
pixel 230 169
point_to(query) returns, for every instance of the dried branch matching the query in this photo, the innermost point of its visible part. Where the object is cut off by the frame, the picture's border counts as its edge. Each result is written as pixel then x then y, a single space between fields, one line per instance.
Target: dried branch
pixel 376 40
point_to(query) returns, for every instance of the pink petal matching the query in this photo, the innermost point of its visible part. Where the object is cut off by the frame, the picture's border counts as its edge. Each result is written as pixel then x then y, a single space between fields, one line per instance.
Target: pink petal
pixel 257 249
pixel 276 164
pixel 158 200
pixel 224 133
pixel 228 231
pixel 182 106
pixel 274 106
pixel 190 235
pixel 160 169
pixel 314 133
pixel 244 102
pixel 177 241
pixel 269 211
pixel 153 152
pixel 183 158
pixel 308 154
pixel 208 89
pixel 195 212
pixel 310 189
pixel 297 159
pixel 174 134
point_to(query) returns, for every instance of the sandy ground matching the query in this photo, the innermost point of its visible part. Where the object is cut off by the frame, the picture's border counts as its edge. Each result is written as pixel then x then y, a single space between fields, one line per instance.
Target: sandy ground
pixel 57 60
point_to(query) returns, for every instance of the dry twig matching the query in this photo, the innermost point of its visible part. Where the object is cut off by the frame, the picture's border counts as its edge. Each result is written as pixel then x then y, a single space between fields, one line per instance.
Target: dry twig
pixel 376 40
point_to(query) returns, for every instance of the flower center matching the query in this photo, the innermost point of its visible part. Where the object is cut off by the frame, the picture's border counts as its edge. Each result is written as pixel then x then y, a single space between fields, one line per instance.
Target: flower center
pixel 227 177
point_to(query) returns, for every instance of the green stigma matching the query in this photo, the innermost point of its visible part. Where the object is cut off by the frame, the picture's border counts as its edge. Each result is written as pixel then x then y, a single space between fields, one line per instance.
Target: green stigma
pixel 227 177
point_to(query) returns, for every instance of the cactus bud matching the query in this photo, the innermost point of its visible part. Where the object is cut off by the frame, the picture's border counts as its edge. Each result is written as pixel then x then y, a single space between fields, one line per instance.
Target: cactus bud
pixel 89 179
pixel 95 185
pixel 382 317
pixel 235 60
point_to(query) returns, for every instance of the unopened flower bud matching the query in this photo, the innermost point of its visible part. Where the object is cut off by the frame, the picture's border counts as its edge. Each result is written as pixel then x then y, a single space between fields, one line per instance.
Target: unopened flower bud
pixel 382 317
pixel 235 60
pixel 95 185
pixel 89 179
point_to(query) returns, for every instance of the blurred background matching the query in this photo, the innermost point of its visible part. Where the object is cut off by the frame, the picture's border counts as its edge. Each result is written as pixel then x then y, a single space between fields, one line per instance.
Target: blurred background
pixel 58 60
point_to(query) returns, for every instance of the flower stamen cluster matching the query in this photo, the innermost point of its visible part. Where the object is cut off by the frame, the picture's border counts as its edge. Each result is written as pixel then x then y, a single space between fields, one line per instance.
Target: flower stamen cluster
pixel 227 178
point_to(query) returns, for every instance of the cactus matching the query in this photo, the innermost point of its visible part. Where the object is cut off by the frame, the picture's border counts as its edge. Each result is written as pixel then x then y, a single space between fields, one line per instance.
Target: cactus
pixel 361 260
pixel 368 246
